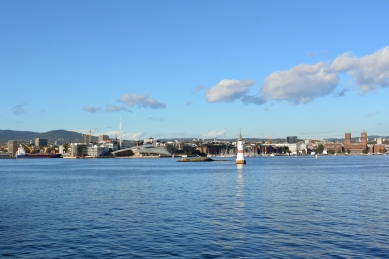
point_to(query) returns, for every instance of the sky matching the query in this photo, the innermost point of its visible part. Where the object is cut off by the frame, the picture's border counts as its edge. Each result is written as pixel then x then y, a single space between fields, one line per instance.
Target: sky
pixel 196 69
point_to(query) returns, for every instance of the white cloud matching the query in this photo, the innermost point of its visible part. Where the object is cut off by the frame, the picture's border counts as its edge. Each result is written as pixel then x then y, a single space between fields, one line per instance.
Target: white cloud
pixel 143 101
pixel 300 84
pixel 126 135
pixel 91 109
pixel 369 71
pixel 188 103
pixel 115 108
pixel 18 109
pixel 198 89
pixel 214 134
pixel 176 135
pixel 229 90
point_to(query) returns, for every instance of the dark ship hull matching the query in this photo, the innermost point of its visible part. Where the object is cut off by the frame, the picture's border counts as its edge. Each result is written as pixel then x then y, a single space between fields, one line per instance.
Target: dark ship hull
pixel 42 155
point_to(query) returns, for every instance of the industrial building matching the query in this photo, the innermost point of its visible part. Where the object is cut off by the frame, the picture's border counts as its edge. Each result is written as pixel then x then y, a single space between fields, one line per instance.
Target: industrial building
pixel 103 138
pixel 41 142
pixel 12 147
pixel 291 139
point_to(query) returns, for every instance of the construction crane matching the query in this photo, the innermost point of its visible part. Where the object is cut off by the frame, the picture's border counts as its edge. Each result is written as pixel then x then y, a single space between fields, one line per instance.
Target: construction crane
pixel 268 140
pixel 85 135
pixel 30 150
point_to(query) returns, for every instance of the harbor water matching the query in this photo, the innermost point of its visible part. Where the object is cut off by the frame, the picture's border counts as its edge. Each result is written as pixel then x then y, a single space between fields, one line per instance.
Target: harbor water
pixel 272 207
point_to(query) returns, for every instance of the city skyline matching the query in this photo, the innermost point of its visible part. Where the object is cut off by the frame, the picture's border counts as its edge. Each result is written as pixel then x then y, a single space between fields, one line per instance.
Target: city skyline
pixel 196 69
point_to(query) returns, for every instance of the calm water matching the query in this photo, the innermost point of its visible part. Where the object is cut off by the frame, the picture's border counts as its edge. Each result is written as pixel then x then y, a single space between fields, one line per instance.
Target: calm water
pixel 273 207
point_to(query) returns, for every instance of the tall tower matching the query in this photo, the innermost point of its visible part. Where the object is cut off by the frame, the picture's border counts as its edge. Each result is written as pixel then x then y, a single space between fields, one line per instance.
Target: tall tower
pixel 121 133
pixel 347 138
pixel 364 138
pixel 240 154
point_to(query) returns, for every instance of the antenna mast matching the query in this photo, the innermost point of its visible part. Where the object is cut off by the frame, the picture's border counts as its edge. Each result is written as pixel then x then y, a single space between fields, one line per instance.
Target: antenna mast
pixel 121 132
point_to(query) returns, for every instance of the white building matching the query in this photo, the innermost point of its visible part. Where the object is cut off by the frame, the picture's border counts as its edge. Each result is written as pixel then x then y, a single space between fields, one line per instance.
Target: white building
pixel 97 151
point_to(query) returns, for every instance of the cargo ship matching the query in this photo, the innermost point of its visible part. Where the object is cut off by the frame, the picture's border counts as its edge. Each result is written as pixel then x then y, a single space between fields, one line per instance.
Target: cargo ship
pixel 21 153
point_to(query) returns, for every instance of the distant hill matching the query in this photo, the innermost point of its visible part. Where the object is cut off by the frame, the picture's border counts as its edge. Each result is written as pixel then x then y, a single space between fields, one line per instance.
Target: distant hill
pixel 51 136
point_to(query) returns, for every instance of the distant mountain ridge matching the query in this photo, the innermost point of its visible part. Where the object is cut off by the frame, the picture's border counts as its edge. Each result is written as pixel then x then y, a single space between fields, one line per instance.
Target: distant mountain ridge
pixel 51 136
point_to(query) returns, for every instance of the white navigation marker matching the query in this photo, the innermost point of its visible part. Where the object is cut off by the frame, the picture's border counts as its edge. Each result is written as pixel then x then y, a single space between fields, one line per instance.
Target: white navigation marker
pixel 240 155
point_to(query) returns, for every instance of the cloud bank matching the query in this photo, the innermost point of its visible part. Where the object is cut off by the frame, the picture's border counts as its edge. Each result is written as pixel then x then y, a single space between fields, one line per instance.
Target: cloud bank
pixel 142 101
pixel 303 83
pixel 91 109
pixel 300 84
pixel 214 134
pixel 229 90
pixel 369 72
pixel 115 108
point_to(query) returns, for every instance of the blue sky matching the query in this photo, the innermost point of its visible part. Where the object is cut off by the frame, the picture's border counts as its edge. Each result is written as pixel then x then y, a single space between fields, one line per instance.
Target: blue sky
pixel 200 69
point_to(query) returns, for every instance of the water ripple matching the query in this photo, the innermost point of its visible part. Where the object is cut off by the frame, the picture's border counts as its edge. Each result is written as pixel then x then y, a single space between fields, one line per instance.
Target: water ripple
pixel 281 207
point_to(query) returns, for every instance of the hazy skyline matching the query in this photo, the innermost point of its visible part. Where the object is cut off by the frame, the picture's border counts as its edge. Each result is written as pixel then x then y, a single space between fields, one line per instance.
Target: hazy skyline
pixel 200 69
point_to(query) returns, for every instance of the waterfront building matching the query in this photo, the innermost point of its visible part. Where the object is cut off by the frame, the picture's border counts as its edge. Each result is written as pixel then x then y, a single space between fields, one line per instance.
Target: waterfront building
pixel 127 144
pixel 291 139
pixel 12 147
pixel 103 138
pixel 41 142
pixel 240 155
pixel 112 146
pixel 149 141
pixel 78 149
pixel 336 147
pixel 379 148
pixel 355 147
pixel 148 150
pixel 97 150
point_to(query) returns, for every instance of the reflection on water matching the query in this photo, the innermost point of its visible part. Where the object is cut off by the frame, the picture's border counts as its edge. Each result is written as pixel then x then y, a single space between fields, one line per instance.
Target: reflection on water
pixel 271 207
pixel 240 199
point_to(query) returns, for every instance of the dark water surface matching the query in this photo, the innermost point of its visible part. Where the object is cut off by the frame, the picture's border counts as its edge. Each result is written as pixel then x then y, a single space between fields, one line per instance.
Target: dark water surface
pixel 272 207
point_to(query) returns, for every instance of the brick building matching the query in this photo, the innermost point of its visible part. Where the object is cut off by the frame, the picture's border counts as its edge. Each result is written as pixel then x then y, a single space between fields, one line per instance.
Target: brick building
pixel 337 147
pixel 379 148
pixel 355 147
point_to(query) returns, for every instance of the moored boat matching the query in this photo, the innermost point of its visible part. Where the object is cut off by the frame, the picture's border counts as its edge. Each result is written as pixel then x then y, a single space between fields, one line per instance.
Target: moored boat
pixel 21 153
